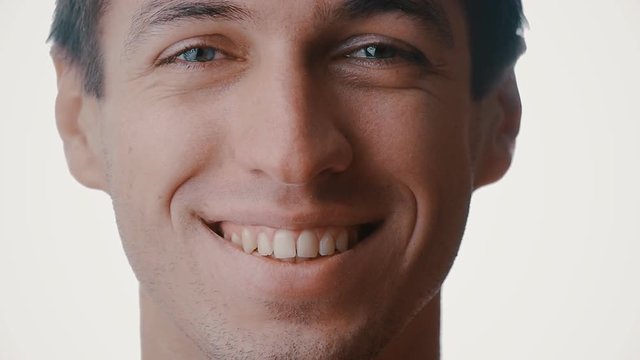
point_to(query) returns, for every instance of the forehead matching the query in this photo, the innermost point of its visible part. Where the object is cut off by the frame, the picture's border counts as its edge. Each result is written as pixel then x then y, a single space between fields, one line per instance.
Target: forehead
pixel 140 16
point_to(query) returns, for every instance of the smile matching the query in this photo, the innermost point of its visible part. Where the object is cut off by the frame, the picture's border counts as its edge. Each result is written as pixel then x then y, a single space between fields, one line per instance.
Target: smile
pixel 293 245
pixel 296 257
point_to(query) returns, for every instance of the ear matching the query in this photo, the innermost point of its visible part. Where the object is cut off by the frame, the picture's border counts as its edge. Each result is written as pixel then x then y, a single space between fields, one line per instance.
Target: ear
pixel 76 118
pixel 496 128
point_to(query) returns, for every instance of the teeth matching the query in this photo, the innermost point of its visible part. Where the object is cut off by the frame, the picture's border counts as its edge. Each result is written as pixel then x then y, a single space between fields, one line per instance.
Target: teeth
pixel 289 244
pixel 249 242
pixel 342 241
pixel 307 245
pixel 284 245
pixel 327 245
pixel 264 245
pixel 236 239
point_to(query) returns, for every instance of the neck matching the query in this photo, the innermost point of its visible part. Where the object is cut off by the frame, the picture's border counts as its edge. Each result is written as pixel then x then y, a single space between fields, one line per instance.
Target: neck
pixel 420 339
pixel 163 340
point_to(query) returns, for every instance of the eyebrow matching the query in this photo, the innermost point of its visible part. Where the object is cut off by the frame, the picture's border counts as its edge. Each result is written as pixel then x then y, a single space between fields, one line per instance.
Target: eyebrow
pixel 159 13
pixel 429 12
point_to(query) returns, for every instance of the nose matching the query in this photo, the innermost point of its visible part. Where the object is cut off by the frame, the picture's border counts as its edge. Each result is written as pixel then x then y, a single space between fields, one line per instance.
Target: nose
pixel 291 128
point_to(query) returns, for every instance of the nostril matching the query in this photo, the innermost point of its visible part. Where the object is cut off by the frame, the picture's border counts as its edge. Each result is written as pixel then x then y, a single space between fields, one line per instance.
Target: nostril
pixel 296 152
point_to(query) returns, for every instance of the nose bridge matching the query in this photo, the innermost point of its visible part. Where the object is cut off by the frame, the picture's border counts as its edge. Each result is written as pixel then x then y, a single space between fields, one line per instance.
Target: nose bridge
pixel 292 136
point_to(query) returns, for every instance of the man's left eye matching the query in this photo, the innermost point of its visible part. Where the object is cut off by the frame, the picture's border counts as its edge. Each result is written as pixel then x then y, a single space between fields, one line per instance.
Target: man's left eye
pixel 199 54
pixel 374 52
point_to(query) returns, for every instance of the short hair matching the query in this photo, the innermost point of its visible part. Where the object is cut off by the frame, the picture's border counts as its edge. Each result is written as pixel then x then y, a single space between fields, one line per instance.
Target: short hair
pixel 75 33
pixel 494 31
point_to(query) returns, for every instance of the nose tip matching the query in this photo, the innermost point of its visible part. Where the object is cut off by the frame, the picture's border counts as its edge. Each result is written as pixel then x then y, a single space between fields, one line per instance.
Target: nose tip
pixel 292 130
pixel 302 156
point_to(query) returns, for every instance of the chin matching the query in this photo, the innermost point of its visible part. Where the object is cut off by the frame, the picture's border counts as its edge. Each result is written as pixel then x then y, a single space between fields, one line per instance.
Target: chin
pixel 299 341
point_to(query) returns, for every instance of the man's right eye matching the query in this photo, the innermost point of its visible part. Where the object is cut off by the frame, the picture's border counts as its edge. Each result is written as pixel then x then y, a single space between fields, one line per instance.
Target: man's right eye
pixel 198 54
pixel 194 55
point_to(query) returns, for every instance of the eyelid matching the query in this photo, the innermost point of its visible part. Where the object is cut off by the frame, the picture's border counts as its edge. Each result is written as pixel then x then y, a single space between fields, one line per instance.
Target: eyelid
pixel 174 57
pixel 220 44
pixel 359 42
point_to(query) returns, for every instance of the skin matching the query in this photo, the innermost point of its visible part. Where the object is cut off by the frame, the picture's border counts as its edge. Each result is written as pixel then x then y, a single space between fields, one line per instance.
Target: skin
pixel 289 128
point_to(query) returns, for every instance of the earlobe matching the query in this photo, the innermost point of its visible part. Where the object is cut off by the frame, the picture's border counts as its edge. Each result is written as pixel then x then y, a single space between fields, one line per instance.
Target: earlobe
pixel 76 120
pixel 498 124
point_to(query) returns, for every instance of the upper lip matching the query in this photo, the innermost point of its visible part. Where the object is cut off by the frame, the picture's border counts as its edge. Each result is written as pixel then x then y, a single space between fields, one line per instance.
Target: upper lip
pixel 293 220
pixel 364 228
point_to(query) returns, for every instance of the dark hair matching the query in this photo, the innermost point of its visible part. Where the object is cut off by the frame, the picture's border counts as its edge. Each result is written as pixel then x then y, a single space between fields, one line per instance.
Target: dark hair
pixel 76 35
pixel 495 39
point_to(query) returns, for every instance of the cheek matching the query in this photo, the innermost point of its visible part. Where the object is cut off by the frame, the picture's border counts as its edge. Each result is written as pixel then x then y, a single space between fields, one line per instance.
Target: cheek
pixel 158 144
pixel 412 136
pixel 155 146
pixel 421 143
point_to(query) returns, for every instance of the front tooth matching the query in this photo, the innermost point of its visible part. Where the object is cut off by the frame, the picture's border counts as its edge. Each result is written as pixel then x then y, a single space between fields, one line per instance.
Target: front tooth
pixel 284 245
pixel 327 245
pixel 307 245
pixel 264 245
pixel 342 241
pixel 236 239
pixel 249 242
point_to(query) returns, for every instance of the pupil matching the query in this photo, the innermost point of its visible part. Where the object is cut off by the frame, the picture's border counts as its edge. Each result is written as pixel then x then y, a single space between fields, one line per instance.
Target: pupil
pixel 379 52
pixel 199 54
pixel 371 51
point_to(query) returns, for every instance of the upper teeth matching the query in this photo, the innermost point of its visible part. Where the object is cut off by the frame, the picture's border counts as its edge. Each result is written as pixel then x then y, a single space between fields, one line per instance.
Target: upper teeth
pixel 288 244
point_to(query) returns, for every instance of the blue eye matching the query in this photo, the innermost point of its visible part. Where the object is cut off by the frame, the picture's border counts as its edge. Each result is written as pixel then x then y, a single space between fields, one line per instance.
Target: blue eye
pixel 198 54
pixel 374 52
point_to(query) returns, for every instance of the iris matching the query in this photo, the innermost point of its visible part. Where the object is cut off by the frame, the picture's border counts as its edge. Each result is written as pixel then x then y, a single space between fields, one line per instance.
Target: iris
pixel 376 52
pixel 199 54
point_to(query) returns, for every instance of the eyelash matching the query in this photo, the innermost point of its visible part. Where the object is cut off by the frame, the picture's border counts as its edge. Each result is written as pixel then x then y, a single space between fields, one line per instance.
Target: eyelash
pixel 412 56
pixel 173 59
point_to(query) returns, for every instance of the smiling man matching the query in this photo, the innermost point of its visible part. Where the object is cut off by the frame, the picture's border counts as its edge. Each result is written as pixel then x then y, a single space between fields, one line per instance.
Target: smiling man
pixel 291 179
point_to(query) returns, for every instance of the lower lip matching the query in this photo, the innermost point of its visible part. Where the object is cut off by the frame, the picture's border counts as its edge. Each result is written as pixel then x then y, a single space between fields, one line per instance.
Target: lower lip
pixel 281 280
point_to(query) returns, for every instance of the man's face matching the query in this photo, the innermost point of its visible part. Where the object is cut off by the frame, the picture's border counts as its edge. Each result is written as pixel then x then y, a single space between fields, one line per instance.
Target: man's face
pixel 335 136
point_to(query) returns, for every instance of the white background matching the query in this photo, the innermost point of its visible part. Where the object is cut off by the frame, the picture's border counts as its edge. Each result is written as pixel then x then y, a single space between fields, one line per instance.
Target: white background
pixel 549 267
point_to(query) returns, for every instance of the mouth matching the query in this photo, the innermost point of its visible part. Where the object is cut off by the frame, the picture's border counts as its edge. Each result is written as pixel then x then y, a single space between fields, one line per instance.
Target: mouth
pixel 294 245
pixel 293 258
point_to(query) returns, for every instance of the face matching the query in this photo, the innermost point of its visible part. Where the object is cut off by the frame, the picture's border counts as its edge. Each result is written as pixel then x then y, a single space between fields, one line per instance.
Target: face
pixel 290 179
